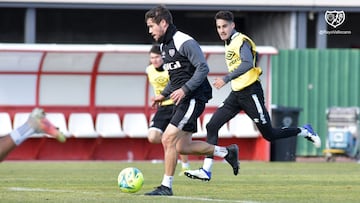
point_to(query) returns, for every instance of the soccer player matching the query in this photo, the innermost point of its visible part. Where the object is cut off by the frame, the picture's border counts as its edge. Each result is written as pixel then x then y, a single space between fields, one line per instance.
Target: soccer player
pixel 246 95
pixel 37 123
pixel 189 89
pixel 159 78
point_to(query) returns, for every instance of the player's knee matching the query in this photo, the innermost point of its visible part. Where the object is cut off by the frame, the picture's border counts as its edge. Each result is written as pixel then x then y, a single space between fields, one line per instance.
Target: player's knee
pixel 168 140
pixel 151 139
pixel 181 149
pixel 154 137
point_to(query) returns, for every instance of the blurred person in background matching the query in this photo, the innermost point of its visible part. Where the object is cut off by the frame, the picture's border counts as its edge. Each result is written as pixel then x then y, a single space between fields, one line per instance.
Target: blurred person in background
pixel 36 124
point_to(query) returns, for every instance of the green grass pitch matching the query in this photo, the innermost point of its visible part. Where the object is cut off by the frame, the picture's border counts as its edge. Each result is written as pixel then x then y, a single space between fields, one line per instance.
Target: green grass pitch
pixel 83 181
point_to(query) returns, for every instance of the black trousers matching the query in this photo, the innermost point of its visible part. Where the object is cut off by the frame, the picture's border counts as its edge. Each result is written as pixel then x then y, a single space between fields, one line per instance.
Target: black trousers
pixel 251 101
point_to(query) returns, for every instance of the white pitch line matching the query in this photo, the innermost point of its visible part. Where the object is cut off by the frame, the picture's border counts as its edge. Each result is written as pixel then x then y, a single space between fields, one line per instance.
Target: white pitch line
pixel 24 189
pixel 210 200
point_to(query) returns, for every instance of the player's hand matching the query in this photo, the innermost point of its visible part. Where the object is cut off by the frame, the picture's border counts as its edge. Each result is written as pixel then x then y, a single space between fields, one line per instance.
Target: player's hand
pixel 156 101
pixel 177 95
pixel 218 83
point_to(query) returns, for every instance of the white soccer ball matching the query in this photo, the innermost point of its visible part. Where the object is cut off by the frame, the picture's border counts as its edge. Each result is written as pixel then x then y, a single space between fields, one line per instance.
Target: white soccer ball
pixel 130 180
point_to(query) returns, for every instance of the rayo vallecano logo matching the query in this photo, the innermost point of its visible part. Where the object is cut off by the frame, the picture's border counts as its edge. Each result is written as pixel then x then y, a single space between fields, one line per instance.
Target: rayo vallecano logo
pixel 334 18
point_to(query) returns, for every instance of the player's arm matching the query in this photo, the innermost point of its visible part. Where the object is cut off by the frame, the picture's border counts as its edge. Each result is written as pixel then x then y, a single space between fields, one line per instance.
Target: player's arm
pixel 245 65
pixel 165 94
pixel 193 52
pixel 167 90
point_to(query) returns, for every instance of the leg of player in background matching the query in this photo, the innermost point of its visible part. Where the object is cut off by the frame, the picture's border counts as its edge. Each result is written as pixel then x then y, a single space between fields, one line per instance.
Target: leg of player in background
pixel 37 123
pixel 7 144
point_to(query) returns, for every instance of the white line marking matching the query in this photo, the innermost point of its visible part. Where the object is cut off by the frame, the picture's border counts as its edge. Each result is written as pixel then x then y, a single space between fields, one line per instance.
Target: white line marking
pixel 210 200
pixel 24 189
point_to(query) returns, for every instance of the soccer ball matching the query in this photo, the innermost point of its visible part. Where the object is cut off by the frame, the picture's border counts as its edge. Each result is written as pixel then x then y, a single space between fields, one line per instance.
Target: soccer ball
pixel 130 180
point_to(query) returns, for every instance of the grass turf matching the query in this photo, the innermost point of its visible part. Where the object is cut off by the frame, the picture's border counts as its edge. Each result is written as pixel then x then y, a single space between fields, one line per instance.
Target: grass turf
pixel 257 182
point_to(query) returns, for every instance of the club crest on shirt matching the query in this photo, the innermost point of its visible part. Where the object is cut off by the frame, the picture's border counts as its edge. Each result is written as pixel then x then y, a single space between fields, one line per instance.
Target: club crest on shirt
pixel 171 52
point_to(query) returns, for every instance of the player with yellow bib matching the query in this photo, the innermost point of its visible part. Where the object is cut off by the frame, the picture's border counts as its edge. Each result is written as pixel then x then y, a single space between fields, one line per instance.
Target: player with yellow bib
pixel 246 95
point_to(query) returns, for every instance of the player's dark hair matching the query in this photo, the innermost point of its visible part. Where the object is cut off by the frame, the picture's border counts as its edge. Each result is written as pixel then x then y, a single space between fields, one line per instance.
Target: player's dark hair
pixel 155 49
pixel 159 13
pixel 225 15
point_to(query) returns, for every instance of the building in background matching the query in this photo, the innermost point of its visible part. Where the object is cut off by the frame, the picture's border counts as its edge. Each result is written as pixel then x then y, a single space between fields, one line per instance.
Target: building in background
pixel 282 24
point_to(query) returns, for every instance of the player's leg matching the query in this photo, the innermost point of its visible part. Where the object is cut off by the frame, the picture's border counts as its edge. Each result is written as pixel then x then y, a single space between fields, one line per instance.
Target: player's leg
pixel 223 114
pixel 159 123
pixel 197 147
pixel 184 120
pixel 168 140
pixel 185 165
pixel 37 123
pixel 219 118
pixel 7 144
pixel 154 136
pixel 177 138
pixel 254 107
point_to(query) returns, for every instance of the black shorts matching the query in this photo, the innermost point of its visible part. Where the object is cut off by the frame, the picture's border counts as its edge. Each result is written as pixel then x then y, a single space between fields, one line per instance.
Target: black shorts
pixel 251 101
pixel 186 114
pixel 162 117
